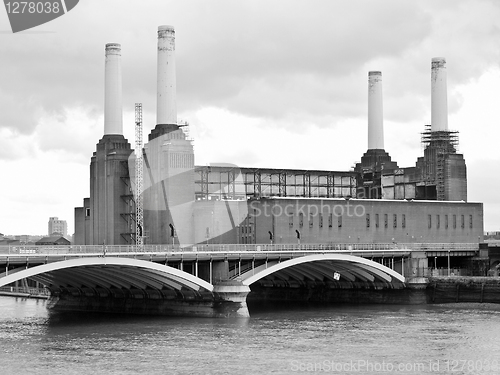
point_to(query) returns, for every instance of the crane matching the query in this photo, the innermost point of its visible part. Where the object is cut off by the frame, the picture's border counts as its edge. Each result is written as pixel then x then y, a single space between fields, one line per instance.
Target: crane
pixel 139 211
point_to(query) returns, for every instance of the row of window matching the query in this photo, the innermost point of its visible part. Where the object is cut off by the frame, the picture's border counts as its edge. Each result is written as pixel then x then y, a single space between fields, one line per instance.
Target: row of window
pixel 397 220
pixel 311 220
pixel 429 221
pixel 446 221
pixel 246 229
pixel 181 160
pixel 386 221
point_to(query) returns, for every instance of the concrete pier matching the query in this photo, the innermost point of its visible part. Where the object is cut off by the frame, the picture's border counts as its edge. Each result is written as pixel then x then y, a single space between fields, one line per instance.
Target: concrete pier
pixel 229 302
pixel 232 297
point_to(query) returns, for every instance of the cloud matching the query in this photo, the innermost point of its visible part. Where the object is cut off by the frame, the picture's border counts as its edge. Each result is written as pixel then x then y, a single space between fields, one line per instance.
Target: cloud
pixel 73 132
pixel 16 146
pixel 228 137
pixel 261 55
pixel 305 60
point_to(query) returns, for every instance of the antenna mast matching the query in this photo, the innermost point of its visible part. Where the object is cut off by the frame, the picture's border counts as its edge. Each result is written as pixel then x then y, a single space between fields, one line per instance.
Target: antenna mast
pixel 139 211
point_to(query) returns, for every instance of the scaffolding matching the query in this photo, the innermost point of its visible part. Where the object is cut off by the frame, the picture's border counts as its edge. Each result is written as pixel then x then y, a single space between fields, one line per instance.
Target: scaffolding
pixel 128 199
pixel 437 146
pixel 447 140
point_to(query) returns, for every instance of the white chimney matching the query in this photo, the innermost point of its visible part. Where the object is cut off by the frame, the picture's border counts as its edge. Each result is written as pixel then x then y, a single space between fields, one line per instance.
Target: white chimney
pixel 166 106
pixel 439 101
pixel 113 119
pixel 375 112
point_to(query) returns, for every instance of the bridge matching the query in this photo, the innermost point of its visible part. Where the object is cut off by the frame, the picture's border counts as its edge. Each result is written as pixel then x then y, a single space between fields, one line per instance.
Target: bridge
pixel 207 280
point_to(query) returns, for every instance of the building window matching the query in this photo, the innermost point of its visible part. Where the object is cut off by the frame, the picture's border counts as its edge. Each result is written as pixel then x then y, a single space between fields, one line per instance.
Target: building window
pixel 290 219
pixel 438 221
pixel 470 221
pixel 454 221
pixel 311 220
pixel 368 220
pixel 429 221
pixel 330 220
pixel 87 212
pixel 321 220
pixel 340 222
pixel 403 221
pixel 301 219
pixel 386 221
pixel 462 221
pixel 395 220
pixel 376 221
pixel 445 221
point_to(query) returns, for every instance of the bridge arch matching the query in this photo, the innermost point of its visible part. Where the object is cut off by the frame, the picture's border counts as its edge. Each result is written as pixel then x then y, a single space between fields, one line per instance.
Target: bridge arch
pixel 110 273
pixel 326 266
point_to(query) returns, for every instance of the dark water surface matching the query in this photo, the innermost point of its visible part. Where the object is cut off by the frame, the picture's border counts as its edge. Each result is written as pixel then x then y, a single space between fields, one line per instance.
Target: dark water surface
pixel 369 339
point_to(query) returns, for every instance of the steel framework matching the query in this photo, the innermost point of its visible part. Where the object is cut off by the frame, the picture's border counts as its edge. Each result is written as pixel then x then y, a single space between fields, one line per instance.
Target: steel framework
pixel 139 211
pixel 225 182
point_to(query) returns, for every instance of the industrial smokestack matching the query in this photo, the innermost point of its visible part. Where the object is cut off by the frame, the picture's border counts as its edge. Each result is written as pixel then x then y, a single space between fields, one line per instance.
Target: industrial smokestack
pixel 439 101
pixel 166 106
pixel 375 112
pixel 113 119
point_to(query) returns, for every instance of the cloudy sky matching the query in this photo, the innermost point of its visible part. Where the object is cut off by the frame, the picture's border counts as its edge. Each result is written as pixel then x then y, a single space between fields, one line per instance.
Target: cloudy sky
pixel 262 84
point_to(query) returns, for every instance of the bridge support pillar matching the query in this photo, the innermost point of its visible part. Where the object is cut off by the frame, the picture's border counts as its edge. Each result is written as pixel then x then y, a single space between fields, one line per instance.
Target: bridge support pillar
pixel 231 299
pixel 418 264
pixel 220 271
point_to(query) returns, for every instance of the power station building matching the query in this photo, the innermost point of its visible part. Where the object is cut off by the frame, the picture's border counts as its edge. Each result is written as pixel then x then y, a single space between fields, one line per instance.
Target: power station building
pixel 184 204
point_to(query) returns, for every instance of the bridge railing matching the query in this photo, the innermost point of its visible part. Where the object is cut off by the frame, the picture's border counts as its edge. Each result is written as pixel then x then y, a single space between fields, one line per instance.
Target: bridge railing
pixel 28 250
pixel 40 292
pixel 439 246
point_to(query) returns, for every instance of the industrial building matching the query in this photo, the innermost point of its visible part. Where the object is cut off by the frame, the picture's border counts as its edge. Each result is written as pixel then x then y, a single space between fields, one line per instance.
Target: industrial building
pixel 57 226
pixel 184 204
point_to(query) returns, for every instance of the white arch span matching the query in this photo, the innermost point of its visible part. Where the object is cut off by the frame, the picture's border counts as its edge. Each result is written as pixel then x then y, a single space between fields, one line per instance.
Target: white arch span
pixel 363 265
pixel 139 272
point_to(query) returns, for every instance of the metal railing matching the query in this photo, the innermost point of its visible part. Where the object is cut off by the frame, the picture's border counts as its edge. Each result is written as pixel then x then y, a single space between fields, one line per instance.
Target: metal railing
pixel 132 249
pixel 28 291
pixel 440 246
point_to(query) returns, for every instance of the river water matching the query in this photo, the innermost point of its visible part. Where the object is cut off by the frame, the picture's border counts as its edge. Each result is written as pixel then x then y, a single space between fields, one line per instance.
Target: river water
pixel 369 339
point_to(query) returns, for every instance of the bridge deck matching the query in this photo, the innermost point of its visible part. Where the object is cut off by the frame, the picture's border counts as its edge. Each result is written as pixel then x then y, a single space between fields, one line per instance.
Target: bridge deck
pixel 11 255
pixel 194 256
pixel 240 248
pixel 170 253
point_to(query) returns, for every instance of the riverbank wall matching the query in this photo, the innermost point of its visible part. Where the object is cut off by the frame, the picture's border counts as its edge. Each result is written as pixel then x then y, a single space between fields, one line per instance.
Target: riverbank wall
pixel 463 289
pixel 422 290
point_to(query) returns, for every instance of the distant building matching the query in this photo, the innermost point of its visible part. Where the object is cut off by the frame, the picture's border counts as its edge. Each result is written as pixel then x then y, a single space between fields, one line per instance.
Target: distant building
pixel 57 226
pixel 23 238
pixel 9 242
pixel 492 235
pixel 53 240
